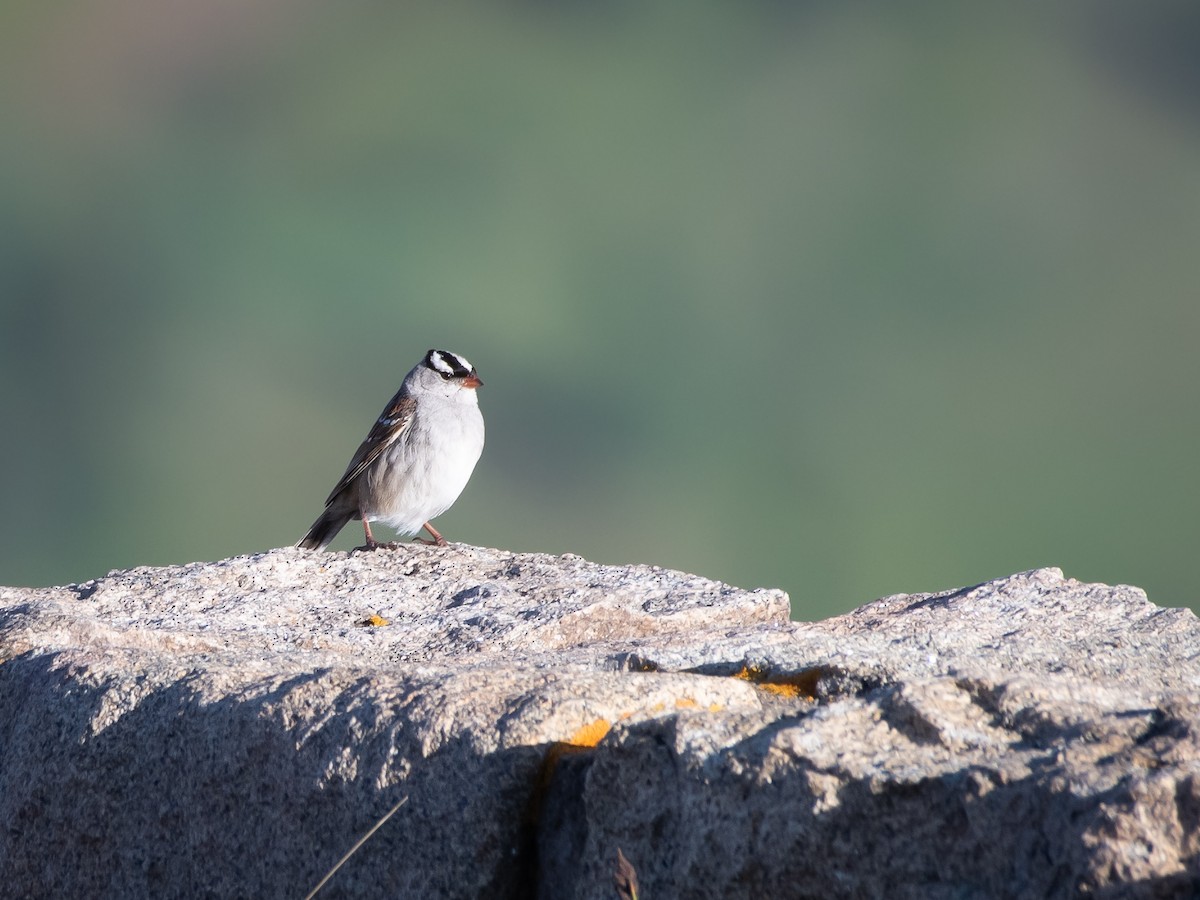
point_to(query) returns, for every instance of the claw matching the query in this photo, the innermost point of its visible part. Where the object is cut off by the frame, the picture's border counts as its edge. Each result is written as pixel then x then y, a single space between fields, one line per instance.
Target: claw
pixel 373 545
pixel 438 540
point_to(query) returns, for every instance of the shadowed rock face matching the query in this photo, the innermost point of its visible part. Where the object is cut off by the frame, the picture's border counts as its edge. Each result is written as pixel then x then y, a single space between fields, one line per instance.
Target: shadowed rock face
pixel 230 728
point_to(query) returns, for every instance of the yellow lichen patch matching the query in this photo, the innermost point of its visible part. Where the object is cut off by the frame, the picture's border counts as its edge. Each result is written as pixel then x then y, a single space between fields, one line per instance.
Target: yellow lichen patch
pixel 583 739
pixel 715 707
pixel 591 734
pixel 790 691
pixel 797 685
pixel 374 621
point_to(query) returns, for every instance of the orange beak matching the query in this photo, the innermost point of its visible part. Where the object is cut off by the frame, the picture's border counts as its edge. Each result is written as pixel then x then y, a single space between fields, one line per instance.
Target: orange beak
pixel 472 380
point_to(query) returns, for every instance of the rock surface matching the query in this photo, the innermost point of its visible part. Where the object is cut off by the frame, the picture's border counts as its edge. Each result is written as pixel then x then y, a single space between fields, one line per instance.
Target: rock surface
pixel 229 729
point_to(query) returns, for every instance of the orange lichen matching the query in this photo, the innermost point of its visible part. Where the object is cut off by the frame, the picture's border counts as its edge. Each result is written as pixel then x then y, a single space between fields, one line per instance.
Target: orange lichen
pixel 797 685
pixel 789 691
pixel 374 621
pixel 591 734
pixel 583 740
pixel 748 674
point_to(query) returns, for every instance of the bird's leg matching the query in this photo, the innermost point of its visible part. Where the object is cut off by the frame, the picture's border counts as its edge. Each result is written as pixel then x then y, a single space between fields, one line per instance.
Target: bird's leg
pixel 438 540
pixel 371 543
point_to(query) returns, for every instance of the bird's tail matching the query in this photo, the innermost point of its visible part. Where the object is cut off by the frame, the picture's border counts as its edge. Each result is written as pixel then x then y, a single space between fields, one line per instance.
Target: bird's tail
pixel 325 529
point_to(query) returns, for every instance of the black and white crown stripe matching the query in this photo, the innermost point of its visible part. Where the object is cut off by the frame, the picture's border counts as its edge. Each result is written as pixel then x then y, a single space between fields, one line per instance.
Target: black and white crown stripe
pixel 447 364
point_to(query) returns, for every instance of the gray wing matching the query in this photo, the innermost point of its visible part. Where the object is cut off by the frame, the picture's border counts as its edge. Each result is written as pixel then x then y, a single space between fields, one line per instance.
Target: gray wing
pixel 392 422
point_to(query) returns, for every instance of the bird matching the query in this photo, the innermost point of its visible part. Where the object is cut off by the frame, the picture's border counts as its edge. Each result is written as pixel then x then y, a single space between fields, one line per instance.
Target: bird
pixel 415 461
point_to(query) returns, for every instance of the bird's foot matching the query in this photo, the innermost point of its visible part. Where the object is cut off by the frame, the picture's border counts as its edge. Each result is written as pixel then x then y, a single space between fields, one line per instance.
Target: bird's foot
pixel 440 542
pixel 373 545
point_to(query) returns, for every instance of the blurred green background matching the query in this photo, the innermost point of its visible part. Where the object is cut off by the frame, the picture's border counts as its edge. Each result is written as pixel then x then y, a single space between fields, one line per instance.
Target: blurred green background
pixel 849 299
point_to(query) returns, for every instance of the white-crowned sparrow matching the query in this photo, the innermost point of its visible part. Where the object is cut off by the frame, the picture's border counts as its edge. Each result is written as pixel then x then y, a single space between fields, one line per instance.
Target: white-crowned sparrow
pixel 416 460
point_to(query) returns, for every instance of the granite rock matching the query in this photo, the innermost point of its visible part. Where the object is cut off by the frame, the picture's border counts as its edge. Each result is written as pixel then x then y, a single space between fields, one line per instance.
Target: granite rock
pixel 230 728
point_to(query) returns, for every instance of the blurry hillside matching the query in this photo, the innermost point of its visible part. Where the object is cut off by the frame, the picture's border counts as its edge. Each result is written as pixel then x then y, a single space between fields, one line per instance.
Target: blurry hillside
pixel 843 299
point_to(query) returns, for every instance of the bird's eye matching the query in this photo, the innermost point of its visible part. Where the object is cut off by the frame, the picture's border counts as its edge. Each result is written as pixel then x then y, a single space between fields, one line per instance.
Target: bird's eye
pixel 445 375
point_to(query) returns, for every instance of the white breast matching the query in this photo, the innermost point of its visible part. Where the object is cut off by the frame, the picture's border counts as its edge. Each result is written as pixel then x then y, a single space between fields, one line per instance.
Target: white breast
pixel 422 474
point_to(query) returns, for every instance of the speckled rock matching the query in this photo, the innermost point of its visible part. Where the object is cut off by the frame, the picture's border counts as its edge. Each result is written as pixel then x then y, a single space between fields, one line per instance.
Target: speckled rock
pixel 230 728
